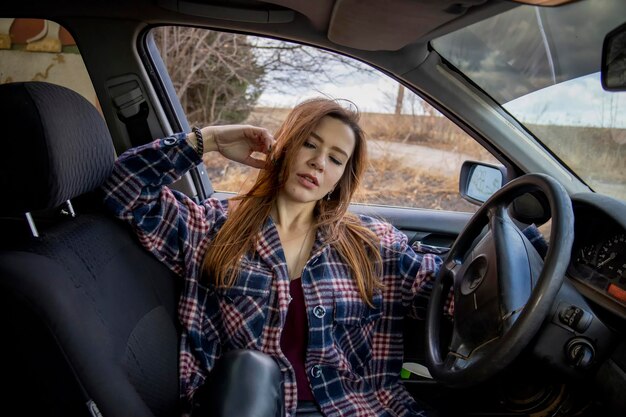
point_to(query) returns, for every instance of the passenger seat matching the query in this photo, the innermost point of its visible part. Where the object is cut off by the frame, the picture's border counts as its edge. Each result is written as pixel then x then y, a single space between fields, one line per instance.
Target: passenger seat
pixel 88 317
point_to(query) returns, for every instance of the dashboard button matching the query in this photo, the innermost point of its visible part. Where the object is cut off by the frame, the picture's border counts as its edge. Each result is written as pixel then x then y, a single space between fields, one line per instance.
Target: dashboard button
pixel 575 318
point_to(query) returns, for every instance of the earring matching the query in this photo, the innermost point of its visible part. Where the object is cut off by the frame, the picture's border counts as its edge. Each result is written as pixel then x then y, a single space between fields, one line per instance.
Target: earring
pixel 328 195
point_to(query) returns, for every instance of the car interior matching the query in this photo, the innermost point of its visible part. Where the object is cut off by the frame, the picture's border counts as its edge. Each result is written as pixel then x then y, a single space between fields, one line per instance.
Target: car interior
pixel 90 317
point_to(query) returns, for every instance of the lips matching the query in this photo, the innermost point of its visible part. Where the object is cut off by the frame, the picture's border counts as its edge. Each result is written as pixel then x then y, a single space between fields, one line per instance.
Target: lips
pixel 310 178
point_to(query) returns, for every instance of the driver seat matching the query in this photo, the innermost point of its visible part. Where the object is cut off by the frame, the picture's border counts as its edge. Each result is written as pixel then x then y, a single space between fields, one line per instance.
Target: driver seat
pixel 88 316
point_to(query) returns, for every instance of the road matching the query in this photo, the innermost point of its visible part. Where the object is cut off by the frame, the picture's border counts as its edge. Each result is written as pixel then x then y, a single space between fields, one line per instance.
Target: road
pixel 448 163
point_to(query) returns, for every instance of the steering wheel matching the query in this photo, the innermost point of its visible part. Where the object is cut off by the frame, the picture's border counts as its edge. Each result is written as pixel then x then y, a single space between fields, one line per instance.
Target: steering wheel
pixel 503 289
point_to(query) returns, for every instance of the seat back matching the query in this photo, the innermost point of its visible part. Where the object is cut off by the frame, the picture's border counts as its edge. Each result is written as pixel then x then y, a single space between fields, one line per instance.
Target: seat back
pixel 88 316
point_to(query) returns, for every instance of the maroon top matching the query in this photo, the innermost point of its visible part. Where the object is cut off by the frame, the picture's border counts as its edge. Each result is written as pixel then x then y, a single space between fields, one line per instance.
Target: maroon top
pixel 294 339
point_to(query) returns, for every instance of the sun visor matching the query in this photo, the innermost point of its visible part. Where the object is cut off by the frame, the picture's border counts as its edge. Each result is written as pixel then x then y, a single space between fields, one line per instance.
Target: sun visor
pixel 373 25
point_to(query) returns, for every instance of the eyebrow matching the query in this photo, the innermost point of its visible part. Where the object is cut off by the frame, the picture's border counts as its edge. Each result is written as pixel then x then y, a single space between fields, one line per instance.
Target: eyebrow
pixel 337 148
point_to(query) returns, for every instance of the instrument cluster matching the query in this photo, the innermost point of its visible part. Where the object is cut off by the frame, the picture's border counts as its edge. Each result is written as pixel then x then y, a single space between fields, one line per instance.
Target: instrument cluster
pixel 599 254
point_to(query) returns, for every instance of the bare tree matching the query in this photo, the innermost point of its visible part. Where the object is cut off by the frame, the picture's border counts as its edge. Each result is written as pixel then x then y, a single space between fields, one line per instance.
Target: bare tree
pixel 399 99
pixel 219 76
pixel 215 74
pixel 289 67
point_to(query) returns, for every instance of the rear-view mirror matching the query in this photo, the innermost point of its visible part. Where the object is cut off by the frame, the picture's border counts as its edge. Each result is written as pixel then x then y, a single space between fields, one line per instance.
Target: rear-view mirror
pixel 613 72
pixel 479 181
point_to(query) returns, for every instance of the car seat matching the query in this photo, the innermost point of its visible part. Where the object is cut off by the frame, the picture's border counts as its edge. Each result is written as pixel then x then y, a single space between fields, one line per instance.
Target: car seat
pixel 88 317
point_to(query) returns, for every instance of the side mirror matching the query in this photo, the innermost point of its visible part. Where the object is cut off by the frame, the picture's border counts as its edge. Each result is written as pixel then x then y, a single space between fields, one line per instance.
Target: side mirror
pixel 479 181
pixel 613 72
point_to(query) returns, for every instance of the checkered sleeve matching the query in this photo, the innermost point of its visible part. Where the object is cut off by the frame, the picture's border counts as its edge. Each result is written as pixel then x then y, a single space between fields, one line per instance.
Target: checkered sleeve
pixel 168 223
pixel 418 272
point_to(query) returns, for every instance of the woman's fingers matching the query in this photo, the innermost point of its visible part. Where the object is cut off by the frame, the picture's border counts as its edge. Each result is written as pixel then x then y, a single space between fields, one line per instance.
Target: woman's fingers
pixel 263 140
pixel 239 142
pixel 263 143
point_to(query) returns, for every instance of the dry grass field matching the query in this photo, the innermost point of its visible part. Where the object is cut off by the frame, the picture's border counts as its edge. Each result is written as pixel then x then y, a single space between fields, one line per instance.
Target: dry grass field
pixel 597 158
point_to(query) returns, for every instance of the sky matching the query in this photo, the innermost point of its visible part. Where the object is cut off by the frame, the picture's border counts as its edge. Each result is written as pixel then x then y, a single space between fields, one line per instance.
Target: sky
pixel 580 102
pixel 371 94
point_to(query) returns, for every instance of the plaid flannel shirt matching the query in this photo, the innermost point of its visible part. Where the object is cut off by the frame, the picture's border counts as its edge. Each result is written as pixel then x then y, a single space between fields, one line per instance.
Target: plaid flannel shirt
pixel 354 353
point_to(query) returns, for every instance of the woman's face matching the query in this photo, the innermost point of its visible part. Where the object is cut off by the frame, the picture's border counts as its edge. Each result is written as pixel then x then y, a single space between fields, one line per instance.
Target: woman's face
pixel 320 162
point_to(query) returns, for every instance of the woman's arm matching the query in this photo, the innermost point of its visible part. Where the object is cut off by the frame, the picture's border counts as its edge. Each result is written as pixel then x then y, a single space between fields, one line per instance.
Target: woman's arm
pixel 420 271
pixel 422 282
pixel 168 223
pixel 235 142
pixel 416 271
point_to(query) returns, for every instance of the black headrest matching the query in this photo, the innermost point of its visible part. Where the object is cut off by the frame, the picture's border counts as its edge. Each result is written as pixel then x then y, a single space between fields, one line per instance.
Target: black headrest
pixel 55 146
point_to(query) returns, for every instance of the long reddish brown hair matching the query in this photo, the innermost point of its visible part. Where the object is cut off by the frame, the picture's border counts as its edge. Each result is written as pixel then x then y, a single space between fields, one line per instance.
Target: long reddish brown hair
pixel 358 245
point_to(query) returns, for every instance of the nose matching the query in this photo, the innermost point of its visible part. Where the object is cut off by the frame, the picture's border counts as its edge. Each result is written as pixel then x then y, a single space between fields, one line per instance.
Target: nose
pixel 317 162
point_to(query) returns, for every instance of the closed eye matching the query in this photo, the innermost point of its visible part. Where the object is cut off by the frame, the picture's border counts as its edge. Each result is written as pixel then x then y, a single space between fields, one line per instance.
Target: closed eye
pixel 311 145
pixel 335 161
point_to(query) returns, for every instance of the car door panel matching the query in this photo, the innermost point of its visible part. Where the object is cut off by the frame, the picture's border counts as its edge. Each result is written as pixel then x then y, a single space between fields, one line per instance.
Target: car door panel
pixel 430 227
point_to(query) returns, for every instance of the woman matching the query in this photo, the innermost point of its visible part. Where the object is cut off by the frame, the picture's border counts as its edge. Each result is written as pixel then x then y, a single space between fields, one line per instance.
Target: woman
pixel 283 269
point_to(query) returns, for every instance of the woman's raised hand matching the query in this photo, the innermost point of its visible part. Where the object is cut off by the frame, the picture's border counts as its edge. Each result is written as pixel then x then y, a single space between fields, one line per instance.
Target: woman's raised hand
pixel 238 142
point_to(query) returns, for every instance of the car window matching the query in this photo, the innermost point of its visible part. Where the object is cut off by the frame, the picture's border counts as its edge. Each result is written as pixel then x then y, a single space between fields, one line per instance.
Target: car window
pixel 415 152
pixel 42 50
pixel 556 94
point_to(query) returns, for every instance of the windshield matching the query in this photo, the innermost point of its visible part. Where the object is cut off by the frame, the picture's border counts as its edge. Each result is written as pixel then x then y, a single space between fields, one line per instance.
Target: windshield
pixel 542 65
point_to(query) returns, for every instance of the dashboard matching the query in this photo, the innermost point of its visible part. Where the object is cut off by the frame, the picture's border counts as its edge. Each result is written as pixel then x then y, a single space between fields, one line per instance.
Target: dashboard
pixel 598 262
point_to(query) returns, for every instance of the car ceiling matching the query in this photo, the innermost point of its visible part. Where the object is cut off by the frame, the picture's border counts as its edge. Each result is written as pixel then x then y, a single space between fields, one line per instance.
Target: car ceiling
pixel 366 25
pixel 390 25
